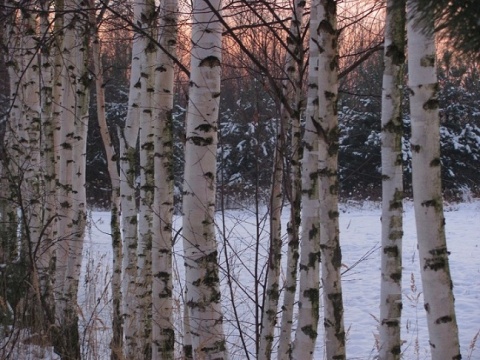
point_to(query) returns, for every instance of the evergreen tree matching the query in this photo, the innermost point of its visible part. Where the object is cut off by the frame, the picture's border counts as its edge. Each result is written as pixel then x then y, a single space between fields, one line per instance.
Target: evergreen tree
pixel 456 20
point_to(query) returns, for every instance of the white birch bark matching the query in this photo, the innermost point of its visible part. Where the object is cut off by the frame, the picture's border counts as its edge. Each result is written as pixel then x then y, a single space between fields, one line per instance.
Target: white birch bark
pixel 11 148
pixel 143 287
pixel 7 252
pixel 26 179
pixel 22 131
pixel 82 86
pixel 16 138
pixel 66 161
pixel 187 346
pixel 7 230
pixel 74 102
pixel 57 93
pixel 309 264
pixel 82 83
pixel 12 42
pixel 327 132
pixel 294 92
pixel 31 195
pixel 58 125
pixel 129 233
pixel 392 182
pixel 272 286
pixel 30 113
pixel 49 216
pixel 291 91
pixel 128 159
pixel 199 241
pixel 427 191
pixel 52 76
pixel 117 329
pixel 163 332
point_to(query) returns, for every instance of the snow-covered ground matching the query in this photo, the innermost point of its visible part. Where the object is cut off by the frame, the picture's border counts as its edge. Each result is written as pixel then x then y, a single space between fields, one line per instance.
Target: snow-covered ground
pixel 360 238
pixel 360 231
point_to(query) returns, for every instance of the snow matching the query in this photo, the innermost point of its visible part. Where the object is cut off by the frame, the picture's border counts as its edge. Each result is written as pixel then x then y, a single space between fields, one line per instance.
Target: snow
pixel 360 238
pixel 360 230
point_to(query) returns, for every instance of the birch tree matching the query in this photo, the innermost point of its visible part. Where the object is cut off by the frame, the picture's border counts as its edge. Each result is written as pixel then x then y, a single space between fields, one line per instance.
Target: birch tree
pixel 327 132
pixel 163 332
pixel 21 215
pixel 272 286
pixel 82 101
pixel 28 179
pixel 128 159
pixel 46 257
pixel 199 242
pixel 143 288
pixel 11 141
pixel 65 172
pixel 392 185
pixel 427 192
pixel 293 91
pixel 38 194
pixel 73 115
pixel 309 264
pixel 272 283
pixel 26 157
pixel 117 329
pixel 64 153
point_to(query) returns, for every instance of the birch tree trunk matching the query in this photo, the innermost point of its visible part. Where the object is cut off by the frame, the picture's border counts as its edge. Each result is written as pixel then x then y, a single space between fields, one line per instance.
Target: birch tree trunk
pixel 128 159
pixel 72 159
pixel 187 346
pixel 309 264
pixel 17 135
pixel 46 263
pixel 10 146
pixel 327 132
pixel 23 171
pixel 199 241
pixel 58 141
pixel 292 88
pixel 294 92
pixel 82 100
pixel 117 329
pixel 272 287
pixel 427 191
pixel 143 289
pixel 31 182
pixel 163 332
pixel 392 182
pixel 66 332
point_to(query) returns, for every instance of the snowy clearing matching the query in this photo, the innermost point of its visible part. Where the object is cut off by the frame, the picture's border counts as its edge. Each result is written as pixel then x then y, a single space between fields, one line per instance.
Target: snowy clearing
pixel 360 237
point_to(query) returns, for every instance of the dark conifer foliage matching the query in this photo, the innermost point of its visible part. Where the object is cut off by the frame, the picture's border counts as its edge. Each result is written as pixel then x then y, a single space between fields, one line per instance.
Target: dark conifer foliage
pixel 248 117
pixel 456 20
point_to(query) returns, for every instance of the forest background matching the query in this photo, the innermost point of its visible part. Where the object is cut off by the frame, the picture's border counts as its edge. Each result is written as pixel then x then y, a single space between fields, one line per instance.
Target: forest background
pixel 249 114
